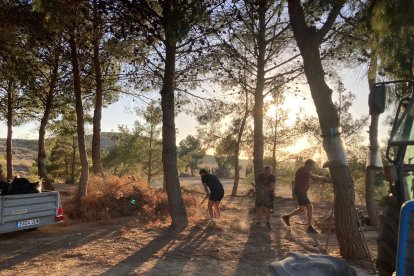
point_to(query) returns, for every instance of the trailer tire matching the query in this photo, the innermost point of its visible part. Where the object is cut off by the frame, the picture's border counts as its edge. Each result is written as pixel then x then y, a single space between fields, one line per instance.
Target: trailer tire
pixel 388 237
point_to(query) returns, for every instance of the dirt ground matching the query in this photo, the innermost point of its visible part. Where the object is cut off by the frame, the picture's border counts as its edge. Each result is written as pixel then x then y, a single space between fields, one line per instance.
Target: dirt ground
pixel 125 246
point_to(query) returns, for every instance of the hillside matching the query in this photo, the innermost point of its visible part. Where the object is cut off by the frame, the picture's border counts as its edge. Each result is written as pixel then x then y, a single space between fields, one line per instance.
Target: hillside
pixel 25 150
pixel 22 149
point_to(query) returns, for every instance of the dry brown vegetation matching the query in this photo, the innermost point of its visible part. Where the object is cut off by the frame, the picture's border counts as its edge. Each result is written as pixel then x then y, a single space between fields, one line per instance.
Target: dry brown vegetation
pixel 117 197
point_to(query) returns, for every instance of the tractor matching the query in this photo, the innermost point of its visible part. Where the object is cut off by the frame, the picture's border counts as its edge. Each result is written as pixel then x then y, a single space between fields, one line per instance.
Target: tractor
pixel 396 235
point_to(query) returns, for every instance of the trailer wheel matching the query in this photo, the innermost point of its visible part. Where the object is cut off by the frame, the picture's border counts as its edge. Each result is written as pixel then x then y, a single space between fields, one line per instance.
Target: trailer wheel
pixel 388 237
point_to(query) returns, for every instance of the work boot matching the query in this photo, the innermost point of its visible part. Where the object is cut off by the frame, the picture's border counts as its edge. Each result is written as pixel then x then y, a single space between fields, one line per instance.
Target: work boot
pixel 286 220
pixel 312 230
pixel 268 225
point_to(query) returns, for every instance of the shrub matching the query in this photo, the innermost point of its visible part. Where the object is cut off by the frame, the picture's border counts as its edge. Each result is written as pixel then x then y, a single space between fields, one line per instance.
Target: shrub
pixel 116 197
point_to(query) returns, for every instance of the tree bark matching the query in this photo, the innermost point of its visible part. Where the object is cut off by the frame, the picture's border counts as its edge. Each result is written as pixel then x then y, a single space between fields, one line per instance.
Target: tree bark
pixel 97 114
pixel 274 147
pixel 41 154
pixel 9 154
pixel 350 241
pixel 80 128
pixel 73 163
pixel 374 165
pixel 236 170
pixel 308 40
pixel 258 144
pixel 149 176
pixel 169 147
pixel 371 174
pixel 238 146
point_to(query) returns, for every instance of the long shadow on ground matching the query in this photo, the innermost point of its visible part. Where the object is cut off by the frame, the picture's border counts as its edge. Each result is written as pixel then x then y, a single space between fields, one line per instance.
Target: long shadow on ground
pixel 183 253
pixel 66 241
pixel 260 248
pixel 140 257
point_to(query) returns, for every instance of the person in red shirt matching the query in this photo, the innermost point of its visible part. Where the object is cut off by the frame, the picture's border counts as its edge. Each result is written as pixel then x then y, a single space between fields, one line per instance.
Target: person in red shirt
pixel 300 189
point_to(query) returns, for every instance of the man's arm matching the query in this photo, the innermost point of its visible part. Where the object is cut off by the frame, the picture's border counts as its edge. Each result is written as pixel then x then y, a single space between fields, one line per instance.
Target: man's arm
pixel 319 178
pixel 206 189
pixel 273 184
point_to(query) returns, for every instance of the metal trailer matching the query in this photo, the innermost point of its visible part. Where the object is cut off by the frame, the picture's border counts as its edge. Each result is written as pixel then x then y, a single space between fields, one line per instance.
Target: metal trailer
pixel 25 211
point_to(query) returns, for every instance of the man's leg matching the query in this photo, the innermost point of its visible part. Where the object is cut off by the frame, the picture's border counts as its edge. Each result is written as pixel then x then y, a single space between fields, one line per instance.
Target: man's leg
pixel 268 214
pixel 297 211
pixel 309 208
pixel 258 214
pixel 311 230
pixel 210 209
pixel 216 206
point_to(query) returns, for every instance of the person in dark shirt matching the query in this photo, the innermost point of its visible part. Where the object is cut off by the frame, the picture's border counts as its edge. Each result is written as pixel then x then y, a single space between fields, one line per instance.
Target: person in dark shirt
pixel 265 195
pixel 215 193
pixel 300 189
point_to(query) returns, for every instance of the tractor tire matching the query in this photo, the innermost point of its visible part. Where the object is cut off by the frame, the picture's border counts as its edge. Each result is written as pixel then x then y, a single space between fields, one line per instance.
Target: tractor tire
pixel 388 237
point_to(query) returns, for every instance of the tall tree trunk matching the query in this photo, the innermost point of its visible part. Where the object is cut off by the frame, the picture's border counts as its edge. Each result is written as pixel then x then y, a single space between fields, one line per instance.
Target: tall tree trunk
pixel 308 40
pixel 236 170
pixel 274 147
pixel 275 137
pixel 258 143
pixel 238 146
pixel 9 154
pixel 97 114
pixel 73 163
pixel 149 176
pixel 169 147
pixel 374 165
pixel 83 181
pixel 41 154
pixel 66 168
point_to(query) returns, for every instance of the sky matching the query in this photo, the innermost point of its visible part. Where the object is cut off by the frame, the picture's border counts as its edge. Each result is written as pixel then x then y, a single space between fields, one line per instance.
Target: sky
pixel 122 112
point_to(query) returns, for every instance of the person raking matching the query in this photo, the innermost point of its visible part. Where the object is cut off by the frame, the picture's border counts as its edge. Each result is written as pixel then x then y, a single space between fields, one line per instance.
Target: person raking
pixel 215 192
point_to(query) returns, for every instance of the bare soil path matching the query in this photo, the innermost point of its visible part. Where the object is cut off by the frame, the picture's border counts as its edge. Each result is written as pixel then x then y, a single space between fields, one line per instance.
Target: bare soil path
pixel 125 246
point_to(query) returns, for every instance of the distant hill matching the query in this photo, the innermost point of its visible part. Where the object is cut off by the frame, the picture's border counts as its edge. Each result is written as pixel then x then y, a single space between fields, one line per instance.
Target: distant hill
pixel 22 149
pixel 107 139
pixel 20 143
pixel 26 149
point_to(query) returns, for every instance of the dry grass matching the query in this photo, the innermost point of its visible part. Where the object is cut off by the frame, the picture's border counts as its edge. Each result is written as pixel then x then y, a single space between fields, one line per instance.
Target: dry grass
pixel 116 197
pixel 24 163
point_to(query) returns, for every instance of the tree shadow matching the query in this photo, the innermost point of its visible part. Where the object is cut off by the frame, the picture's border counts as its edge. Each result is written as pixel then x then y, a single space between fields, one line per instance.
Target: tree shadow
pixel 259 250
pixel 183 253
pixel 312 246
pixel 140 257
pixel 66 241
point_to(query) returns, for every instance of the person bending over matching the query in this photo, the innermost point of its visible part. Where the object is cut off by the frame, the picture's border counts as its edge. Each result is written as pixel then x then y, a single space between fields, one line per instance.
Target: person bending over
pixel 215 193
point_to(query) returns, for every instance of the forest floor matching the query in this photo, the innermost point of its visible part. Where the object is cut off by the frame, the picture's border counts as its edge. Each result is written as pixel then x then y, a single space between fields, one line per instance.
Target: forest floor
pixel 126 246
